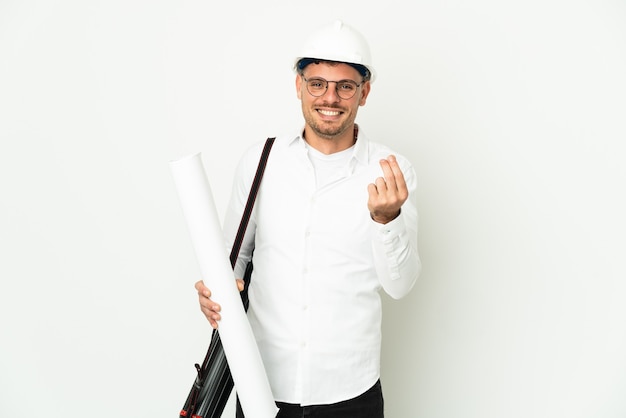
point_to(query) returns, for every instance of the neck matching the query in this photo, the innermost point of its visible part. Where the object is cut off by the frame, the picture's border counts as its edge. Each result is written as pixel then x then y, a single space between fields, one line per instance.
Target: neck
pixel 331 145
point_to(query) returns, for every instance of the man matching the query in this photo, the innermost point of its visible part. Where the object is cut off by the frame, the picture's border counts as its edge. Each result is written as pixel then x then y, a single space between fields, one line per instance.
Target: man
pixel 334 222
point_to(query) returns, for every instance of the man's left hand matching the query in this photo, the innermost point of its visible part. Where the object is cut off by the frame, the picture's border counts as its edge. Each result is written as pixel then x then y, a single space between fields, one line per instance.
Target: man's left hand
pixel 388 193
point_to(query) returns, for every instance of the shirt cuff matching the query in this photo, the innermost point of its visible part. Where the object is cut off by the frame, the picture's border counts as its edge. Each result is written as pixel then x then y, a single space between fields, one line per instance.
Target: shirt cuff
pixel 391 229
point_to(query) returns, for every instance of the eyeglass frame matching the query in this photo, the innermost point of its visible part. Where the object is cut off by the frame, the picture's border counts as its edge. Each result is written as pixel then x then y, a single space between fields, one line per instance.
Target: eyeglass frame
pixel 306 83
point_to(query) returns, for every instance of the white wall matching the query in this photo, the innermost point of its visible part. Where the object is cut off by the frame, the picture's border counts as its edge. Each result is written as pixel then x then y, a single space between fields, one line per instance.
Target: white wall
pixel 512 112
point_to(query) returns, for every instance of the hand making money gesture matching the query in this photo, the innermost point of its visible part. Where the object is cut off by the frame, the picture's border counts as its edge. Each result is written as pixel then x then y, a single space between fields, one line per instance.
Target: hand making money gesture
pixel 388 193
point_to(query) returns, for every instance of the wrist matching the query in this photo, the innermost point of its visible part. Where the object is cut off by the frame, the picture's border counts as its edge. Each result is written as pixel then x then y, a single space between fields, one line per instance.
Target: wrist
pixel 384 218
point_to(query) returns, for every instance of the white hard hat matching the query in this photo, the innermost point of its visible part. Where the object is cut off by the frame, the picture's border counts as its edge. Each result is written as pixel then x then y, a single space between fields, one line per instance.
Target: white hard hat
pixel 338 42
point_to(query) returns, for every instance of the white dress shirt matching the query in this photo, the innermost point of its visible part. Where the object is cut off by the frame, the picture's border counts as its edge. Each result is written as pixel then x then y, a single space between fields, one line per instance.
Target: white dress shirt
pixel 319 263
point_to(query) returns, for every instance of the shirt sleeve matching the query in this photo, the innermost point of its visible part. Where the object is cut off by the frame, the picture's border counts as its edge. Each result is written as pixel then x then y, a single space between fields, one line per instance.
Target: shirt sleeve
pixel 395 250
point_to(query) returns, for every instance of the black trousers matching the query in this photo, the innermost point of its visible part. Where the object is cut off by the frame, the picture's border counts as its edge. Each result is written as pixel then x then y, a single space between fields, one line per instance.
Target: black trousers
pixel 368 405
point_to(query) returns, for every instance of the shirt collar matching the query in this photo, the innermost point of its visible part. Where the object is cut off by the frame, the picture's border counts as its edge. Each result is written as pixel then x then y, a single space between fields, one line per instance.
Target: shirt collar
pixel 361 148
pixel 360 153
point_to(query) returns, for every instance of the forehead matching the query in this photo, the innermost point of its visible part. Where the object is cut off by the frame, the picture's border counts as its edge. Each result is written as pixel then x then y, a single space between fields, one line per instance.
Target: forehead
pixel 332 71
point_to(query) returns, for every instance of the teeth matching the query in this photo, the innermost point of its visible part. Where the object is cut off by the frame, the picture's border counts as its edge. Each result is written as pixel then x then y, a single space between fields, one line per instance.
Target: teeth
pixel 329 112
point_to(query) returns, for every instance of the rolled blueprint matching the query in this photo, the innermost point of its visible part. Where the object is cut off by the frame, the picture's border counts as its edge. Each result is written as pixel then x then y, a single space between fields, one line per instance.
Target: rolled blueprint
pixel 209 244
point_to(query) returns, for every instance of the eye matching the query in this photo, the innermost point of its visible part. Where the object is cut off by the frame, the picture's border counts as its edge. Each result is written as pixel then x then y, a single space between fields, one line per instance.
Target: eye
pixel 317 84
pixel 347 86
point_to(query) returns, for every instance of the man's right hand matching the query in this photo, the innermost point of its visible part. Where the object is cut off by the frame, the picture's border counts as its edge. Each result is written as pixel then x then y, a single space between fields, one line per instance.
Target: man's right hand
pixel 209 308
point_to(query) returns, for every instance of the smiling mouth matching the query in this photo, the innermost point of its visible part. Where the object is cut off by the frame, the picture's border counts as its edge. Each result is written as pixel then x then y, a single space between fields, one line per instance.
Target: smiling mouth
pixel 329 112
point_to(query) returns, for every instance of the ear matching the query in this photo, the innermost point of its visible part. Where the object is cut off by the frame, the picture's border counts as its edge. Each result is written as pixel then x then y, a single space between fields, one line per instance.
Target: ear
pixel 365 91
pixel 299 86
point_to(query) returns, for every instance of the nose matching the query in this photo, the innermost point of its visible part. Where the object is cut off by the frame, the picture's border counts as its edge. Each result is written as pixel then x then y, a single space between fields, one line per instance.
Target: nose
pixel 331 92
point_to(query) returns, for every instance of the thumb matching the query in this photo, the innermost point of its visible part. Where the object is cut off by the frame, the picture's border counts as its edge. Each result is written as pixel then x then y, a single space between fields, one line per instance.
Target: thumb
pixel 240 284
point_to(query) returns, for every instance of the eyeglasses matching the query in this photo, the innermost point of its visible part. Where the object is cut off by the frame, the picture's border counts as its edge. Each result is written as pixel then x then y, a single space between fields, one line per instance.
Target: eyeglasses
pixel 346 89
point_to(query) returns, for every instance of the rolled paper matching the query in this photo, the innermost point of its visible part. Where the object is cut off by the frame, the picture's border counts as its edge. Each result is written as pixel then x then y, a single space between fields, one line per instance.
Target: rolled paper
pixel 208 240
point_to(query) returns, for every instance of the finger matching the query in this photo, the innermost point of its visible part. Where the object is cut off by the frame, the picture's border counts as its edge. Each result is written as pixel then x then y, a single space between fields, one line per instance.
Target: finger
pixel 240 284
pixel 208 304
pixel 397 173
pixel 214 322
pixel 372 190
pixel 202 289
pixel 388 174
pixel 211 312
pixel 209 308
pixel 204 297
pixel 381 185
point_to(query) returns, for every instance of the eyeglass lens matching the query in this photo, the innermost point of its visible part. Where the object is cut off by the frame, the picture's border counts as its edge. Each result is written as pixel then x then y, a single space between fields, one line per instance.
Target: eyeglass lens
pixel 344 88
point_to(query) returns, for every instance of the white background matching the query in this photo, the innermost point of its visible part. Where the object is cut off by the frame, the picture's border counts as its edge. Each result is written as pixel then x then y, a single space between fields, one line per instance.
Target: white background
pixel 513 114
